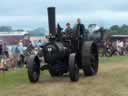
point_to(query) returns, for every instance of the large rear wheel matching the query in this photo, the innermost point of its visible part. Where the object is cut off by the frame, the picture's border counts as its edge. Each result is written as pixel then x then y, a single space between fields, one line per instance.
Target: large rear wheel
pixel 90 58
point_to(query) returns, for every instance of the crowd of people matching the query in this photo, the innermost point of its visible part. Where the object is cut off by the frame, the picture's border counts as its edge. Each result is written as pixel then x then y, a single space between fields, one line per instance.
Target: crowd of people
pixel 14 56
pixel 116 47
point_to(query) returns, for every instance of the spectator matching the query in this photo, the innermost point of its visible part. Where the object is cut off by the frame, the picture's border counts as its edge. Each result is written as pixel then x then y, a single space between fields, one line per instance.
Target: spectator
pixel 1 50
pixel 5 50
pixel 120 47
pixel 20 53
pixel 39 43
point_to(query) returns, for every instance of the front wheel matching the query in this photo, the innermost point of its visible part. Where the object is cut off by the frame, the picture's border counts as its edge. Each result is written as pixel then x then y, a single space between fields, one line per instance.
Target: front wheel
pixel 33 68
pixel 73 68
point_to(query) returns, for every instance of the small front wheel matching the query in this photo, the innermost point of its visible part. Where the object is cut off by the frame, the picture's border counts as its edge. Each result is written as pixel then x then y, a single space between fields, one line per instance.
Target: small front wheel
pixel 73 68
pixel 33 68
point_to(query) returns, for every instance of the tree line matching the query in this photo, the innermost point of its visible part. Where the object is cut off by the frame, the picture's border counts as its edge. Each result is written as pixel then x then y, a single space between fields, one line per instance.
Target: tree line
pixel 120 30
pixel 113 30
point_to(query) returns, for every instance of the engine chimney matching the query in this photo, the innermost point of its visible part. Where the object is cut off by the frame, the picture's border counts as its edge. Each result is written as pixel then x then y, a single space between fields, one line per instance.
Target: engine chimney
pixel 52 20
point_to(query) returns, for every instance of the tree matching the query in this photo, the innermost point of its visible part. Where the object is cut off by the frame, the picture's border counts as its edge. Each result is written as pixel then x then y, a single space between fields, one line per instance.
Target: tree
pixel 6 29
pixel 19 30
pixel 38 32
pixel 124 29
pixel 115 29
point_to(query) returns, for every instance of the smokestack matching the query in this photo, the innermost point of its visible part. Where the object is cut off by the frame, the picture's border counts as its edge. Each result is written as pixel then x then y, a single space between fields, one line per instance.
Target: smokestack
pixel 52 20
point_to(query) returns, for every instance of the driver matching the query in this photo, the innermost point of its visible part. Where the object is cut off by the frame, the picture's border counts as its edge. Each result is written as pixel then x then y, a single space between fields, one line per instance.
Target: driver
pixel 79 29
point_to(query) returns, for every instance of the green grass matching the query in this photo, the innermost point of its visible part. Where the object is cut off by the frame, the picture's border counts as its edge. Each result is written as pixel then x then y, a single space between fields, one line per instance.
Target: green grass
pixel 14 78
pixel 15 83
pixel 9 80
pixel 114 59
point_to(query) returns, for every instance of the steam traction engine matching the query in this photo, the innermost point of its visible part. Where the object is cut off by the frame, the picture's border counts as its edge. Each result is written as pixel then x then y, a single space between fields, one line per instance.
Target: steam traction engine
pixel 65 53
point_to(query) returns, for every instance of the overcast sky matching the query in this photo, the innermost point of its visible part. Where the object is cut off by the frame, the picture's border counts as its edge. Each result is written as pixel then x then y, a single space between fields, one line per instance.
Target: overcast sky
pixel 33 13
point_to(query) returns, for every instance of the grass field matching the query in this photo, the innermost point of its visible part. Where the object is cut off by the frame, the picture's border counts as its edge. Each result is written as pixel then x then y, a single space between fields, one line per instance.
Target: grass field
pixel 112 80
